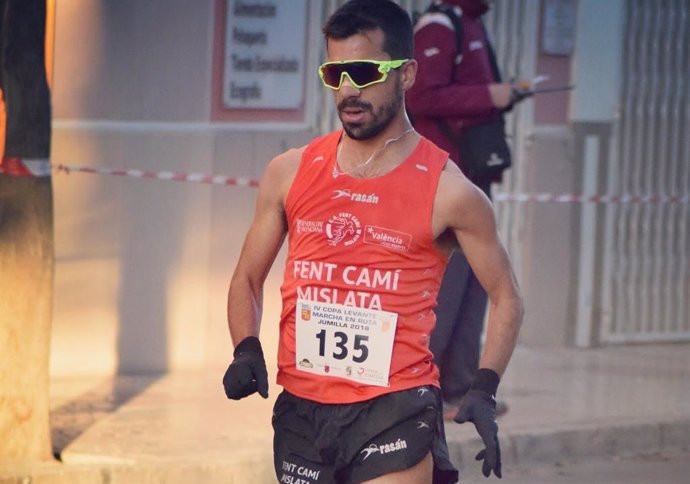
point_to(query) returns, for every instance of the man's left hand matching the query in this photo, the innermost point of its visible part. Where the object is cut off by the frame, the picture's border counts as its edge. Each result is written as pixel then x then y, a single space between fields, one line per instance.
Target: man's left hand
pixel 479 407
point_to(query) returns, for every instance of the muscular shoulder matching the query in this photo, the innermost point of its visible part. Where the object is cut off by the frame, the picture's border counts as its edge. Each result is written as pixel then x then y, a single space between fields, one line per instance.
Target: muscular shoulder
pixel 281 171
pixel 459 203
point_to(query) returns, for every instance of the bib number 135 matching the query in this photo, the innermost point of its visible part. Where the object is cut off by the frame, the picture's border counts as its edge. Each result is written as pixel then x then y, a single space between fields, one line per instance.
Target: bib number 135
pixel 344 347
pixel 345 342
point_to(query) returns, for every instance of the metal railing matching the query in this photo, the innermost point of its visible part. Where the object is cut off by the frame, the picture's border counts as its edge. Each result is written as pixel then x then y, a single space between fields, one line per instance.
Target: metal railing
pixel 647 246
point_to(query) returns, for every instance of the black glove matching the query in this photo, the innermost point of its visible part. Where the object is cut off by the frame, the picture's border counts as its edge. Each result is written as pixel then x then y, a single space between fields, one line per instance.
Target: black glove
pixel 516 96
pixel 519 94
pixel 479 407
pixel 247 372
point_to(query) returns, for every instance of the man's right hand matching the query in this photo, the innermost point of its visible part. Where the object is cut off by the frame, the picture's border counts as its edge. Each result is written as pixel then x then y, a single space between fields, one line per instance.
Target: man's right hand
pixel 505 96
pixel 247 372
pixel 501 95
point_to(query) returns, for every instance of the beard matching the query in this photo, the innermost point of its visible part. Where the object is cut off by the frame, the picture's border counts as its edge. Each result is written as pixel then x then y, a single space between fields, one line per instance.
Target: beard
pixel 381 118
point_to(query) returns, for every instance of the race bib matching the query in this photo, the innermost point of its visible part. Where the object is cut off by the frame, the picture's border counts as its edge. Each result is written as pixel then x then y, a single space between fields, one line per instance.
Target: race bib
pixel 345 341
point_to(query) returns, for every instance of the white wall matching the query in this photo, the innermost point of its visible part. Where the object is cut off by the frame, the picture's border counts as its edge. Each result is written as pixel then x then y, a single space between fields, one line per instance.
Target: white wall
pixel 558 240
pixel 143 265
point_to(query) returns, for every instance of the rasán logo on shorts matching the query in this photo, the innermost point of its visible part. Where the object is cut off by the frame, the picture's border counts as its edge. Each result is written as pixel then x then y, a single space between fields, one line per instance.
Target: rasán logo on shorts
pixel 356 197
pixel 343 227
pixel 399 444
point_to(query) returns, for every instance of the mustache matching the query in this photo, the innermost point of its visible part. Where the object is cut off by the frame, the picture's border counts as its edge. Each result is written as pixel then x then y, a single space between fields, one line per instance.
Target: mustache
pixel 355 103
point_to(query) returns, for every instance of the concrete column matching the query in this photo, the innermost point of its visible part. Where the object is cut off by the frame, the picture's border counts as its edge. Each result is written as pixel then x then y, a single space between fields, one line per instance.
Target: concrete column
pixel 567 153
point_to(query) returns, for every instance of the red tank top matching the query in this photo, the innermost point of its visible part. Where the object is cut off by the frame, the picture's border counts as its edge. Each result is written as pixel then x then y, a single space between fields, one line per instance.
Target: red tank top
pixel 363 243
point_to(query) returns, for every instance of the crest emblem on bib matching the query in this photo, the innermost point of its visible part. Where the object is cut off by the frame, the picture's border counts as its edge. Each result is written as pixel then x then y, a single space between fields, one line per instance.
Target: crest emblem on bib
pixel 306 312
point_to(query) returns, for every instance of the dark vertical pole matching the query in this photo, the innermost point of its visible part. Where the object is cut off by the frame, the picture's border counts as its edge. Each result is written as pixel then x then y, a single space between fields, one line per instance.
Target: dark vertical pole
pixel 26 236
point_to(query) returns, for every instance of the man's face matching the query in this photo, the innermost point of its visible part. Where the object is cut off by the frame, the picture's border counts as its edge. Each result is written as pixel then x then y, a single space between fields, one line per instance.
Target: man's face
pixel 366 112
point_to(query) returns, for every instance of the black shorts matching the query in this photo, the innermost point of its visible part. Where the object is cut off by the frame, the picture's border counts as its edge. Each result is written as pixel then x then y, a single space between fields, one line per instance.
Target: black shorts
pixel 317 443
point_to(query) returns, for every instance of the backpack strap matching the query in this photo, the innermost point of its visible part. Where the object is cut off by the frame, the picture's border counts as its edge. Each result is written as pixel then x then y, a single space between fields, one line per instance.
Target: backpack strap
pixel 449 12
pixel 492 57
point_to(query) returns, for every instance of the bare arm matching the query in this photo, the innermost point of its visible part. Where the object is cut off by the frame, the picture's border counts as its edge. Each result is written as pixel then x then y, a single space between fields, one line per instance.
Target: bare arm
pixel 464 209
pixel 261 245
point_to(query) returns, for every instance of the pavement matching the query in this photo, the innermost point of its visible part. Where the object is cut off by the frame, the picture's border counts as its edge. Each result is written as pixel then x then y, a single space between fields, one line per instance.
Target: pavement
pixel 564 405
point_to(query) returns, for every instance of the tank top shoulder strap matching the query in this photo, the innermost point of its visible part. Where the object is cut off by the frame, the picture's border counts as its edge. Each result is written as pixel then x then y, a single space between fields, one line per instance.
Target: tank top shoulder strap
pixel 430 158
pixel 435 156
pixel 321 146
pixel 317 159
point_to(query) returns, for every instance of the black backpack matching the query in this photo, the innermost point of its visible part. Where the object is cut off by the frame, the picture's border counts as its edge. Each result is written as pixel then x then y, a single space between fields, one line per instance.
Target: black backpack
pixel 449 12
pixel 483 147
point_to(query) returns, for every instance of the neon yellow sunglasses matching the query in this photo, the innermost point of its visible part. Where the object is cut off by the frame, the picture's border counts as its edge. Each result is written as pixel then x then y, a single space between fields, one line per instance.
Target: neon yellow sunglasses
pixel 361 72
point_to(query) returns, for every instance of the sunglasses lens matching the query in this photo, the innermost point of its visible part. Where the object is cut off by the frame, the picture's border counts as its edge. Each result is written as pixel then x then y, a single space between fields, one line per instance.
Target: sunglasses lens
pixel 361 73
pixel 331 74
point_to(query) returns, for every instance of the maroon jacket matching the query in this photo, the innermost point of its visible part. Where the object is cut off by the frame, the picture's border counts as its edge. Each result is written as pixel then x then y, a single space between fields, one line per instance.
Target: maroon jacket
pixel 449 86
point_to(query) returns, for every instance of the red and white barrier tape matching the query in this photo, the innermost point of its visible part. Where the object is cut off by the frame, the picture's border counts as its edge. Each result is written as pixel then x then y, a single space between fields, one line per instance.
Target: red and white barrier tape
pixel 625 199
pixel 165 175
pixel 16 168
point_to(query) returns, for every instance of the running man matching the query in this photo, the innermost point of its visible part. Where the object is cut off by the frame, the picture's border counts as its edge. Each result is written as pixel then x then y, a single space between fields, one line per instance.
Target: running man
pixel 371 213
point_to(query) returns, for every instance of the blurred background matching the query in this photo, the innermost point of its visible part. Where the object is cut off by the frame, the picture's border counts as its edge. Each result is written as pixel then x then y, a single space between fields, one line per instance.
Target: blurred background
pixel 142 266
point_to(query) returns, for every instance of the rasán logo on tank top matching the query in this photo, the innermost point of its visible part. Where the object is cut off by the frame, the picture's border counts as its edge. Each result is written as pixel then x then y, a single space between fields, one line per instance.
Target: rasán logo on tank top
pixel 356 197
pixel 343 227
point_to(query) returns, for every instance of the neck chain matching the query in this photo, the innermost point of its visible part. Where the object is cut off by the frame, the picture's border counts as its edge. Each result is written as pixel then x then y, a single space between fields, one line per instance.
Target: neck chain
pixel 336 172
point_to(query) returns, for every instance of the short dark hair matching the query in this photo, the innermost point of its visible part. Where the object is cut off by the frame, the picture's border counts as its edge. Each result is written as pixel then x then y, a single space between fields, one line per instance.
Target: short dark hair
pixel 358 16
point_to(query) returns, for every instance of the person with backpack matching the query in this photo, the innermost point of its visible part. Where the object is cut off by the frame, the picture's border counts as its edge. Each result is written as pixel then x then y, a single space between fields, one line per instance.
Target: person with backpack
pixel 458 102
